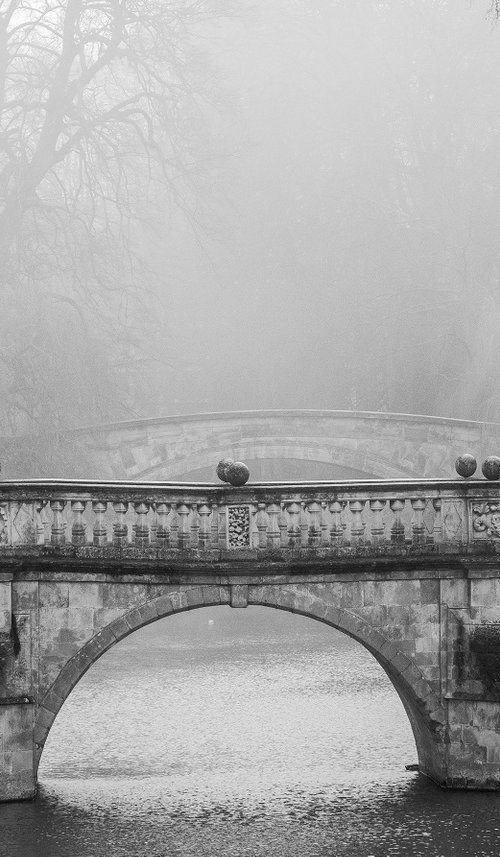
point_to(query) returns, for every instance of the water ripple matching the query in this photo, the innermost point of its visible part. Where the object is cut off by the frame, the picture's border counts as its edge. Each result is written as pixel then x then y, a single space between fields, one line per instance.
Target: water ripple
pixel 283 743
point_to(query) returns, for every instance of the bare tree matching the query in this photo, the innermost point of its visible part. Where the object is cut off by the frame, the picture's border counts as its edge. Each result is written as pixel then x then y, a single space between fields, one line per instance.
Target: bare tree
pixel 92 92
pixel 100 109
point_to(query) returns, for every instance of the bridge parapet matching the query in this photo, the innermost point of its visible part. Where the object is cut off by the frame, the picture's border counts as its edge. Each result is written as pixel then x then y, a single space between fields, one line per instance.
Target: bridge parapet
pixel 200 522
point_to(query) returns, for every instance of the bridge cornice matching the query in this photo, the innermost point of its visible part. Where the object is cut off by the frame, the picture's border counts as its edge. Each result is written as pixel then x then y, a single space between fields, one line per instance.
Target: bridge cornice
pixel 286 414
pixel 41 486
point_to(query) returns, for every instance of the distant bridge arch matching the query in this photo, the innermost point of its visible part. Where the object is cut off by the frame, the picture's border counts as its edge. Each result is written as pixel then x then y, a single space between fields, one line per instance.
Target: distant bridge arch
pixel 284 444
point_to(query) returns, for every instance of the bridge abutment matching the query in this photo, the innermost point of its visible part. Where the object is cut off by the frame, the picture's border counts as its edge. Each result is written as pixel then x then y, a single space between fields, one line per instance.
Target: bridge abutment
pixel 17 750
pixel 473 748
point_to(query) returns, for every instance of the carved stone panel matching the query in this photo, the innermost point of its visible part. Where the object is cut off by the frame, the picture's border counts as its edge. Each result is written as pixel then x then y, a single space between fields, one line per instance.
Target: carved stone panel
pixel 453 513
pixel 486 520
pixel 238 526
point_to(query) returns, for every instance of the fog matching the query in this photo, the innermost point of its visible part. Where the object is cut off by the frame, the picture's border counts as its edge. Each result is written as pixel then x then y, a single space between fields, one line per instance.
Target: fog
pixel 262 204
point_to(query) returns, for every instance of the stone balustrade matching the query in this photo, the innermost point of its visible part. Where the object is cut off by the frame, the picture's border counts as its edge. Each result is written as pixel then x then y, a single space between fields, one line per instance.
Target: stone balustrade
pixel 306 519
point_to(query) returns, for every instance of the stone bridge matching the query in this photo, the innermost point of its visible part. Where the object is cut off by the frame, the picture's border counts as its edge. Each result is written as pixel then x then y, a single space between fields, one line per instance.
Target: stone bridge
pixel 278 445
pixel 410 569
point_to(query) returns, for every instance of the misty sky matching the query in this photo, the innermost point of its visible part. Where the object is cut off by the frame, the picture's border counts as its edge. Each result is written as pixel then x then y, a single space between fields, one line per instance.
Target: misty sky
pixel 302 210
pixel 344 217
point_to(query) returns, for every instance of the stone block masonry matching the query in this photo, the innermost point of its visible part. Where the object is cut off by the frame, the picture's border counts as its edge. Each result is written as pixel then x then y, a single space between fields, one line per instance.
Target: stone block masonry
pixel 397 566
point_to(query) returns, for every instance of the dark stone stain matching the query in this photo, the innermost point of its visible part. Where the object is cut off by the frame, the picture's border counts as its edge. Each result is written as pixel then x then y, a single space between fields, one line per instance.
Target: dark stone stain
pixel 460 653
pixel 484 647
pixel 14 636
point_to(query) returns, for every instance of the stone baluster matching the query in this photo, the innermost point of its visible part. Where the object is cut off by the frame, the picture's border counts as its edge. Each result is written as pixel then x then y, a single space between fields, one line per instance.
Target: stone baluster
pixel 283 526
pixel 5 524
pixel 343 519
pixel 174 527
pixel 262 521
pixel 204 512
pixel 418 526
pixel 183 534
pixel 294 529
pixel 222 526
pixel 153 530
pixel 163 532
pixel 325 525
pixel 57 536
pixel 357 525
pixel 141 526
pixel 337 530
pixel 47 523
pixel 100 532
pixel 78 528
pixel 120 530
pixel 273 535
pixel 12 512
pixel 437 530
pixel 377 529
pixel 40 527
pixel 304 526
pixel 398 527
pixel 214 528
pixel 195 526
pixel 314 535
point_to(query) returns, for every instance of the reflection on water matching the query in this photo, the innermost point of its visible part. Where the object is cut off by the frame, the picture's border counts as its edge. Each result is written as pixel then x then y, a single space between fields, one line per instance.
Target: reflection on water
pixel 286 739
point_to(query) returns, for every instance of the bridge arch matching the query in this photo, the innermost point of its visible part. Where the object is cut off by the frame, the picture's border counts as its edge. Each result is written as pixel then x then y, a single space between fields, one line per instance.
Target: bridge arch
pixel 331 458
pixel 421 703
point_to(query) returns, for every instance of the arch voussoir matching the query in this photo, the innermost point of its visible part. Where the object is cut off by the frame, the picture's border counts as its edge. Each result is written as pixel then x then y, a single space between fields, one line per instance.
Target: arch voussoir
pixel 164 605
pixel 179 599
pixel 119 628
pixel 142 615
pixel 194 597
pixel 319 609
pixel 333 616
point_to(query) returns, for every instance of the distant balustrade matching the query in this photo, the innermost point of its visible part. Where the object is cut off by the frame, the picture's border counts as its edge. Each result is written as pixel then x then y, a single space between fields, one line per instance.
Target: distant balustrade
pixel 310 519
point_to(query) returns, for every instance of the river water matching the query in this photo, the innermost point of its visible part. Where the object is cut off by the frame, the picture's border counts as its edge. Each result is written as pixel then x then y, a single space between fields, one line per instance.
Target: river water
pixel 245 732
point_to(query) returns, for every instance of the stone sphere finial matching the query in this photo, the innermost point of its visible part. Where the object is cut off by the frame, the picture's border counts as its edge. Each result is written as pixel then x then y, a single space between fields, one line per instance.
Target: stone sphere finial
pixel 465 465
pixel 237 473
pixel 222 468
pixel 234 472
pixel 491 467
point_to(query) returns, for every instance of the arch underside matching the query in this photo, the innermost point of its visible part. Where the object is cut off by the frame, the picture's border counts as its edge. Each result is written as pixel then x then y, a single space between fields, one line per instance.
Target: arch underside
pixel 279 469
pixel 361 461
pixel 420 702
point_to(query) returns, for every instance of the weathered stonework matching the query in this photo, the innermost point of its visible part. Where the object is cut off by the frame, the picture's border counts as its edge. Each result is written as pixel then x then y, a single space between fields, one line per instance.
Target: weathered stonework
pixel 397 616
pixel 397 566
